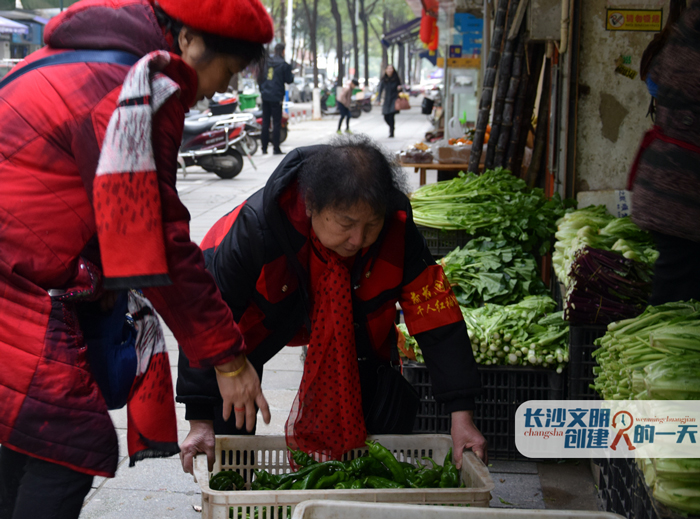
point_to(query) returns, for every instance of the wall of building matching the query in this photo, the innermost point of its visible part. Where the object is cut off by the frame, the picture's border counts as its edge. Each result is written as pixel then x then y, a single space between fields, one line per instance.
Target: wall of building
pixel 611 107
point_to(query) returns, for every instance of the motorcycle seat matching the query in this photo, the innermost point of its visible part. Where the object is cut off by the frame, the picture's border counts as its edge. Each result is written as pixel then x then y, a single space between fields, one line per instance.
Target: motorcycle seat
pixel 202 125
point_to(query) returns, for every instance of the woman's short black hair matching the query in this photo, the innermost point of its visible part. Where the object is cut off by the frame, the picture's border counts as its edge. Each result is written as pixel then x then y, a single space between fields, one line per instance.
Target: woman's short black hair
pixel 352 170
pixel 249 52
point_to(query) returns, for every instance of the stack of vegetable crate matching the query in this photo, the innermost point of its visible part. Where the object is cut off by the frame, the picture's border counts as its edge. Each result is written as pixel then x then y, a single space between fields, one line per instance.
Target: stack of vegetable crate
pixel 655 356
pixel 592 300
pixel 486 230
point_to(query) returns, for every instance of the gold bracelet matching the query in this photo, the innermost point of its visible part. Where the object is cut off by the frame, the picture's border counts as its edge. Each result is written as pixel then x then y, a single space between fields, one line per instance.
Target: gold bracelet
pixel 232 374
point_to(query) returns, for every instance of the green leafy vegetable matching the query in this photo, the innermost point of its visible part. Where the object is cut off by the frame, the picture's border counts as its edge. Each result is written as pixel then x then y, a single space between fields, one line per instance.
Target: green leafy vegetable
pixel 494 204
pixel 594 227
pixel 528 333
pixel 491 271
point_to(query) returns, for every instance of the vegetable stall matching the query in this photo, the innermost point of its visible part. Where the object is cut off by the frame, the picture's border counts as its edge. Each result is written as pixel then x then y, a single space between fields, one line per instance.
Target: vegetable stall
pixel 499 229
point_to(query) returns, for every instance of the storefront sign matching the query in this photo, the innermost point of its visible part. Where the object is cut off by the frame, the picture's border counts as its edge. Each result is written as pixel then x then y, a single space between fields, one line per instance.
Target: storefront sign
pixel 645 20
pixel 455 51
pixel 464 62
pixel 608 429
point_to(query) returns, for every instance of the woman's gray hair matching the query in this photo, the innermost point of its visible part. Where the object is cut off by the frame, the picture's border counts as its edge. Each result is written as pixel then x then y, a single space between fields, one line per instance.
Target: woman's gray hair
pixel 351 170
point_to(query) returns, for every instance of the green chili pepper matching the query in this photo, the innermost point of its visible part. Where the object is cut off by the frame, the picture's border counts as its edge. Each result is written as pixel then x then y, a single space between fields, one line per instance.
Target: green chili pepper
pixel 227 480
pixel 320 470
pixel 385 456
pixel 429 478
pixel 301 458
pixel 431 460
pixel 409 468
pixel 368 466
pixel 377 482
pixel 220 483
pixel 265 479
pixel 298 485
pixel 349 484
pixel 450 474
pixel 331 480
pixel 286 485
pixel 293 476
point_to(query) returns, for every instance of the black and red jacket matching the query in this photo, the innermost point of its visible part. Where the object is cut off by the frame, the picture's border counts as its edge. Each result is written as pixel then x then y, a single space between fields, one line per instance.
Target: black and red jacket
pixel 258 255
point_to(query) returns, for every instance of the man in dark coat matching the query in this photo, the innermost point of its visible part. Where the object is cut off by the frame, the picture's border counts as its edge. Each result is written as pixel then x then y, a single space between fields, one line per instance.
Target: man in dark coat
pixel 276 73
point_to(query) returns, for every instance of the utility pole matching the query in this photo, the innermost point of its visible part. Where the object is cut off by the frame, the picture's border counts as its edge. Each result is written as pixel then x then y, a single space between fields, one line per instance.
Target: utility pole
pixel 288 24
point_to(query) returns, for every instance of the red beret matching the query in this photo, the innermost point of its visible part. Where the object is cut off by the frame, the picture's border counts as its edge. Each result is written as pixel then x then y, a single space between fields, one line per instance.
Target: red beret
pixel 246 20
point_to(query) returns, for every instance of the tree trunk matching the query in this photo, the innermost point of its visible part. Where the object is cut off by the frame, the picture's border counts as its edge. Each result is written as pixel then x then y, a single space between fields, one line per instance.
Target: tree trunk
pixel 338 39
pixel 509 107
pixel 355 46
pixel 312 18
pixel 524 107
pixel 385 53
pixel 489 81
pixel 505 69
pixel 365 42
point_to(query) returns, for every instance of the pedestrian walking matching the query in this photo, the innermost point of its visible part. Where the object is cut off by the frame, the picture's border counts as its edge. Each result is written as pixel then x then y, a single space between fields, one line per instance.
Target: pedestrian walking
pixel 344 101
pixel 320 256
pixel 390 86
pixel 275 74
pixel 89 209
pixel 665 177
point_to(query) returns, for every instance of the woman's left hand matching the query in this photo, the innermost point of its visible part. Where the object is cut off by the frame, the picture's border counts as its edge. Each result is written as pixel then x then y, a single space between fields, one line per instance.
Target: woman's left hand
pixel 465 435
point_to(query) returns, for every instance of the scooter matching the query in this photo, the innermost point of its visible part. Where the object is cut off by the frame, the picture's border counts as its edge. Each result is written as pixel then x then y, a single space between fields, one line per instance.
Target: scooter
pixel 254 128
pixel 216 143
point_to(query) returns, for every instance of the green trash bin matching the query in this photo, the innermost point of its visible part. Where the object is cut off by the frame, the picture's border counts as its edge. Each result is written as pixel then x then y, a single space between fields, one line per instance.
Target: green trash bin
pixel 247 100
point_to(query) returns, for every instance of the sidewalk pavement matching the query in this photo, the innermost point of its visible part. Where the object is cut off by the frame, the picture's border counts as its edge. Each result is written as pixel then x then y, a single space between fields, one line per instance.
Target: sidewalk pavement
pixel 158 488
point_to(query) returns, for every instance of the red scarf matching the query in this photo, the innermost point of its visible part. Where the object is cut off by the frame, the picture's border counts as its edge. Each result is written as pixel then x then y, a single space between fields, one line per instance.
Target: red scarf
pixel 326 419
pixel 126 194
pixel 151 420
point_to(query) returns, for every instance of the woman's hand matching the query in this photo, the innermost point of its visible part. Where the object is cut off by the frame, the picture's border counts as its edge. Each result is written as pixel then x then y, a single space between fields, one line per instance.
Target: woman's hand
pixel 241 393
pixel 199 440
pixel 465 435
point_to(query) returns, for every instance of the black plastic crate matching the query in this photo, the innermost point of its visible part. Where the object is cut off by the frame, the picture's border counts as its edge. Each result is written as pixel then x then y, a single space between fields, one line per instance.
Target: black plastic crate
pixel 581 361
pixel 441 242
pixel 617 486
pixel 643 504
pixel 504 388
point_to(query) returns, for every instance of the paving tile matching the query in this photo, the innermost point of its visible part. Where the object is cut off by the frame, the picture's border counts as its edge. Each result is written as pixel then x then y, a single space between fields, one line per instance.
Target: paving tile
pixel 111 503
pixel 516 491
pixel 154 475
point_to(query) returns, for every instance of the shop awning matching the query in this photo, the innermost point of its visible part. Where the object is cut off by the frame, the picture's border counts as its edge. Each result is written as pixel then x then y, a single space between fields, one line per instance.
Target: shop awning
pixel 8 26
pixel 402 33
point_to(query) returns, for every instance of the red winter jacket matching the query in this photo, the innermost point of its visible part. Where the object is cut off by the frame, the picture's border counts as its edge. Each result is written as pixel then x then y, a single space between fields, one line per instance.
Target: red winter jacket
pixel 54 119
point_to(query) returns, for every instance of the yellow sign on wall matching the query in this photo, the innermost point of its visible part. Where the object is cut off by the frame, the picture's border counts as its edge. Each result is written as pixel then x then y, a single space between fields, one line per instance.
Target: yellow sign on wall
pixel 645 20
pixel 464 62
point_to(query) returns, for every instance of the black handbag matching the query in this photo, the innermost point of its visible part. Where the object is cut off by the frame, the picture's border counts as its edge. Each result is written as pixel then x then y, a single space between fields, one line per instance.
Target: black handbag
pixel 426 107
pixel 395 404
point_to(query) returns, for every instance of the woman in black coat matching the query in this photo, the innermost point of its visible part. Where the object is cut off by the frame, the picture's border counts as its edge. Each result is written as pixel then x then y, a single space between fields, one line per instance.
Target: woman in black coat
pixel 390 84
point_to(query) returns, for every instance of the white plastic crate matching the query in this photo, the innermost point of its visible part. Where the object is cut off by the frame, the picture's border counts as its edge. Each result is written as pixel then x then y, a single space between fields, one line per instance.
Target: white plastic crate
pixel 350 510
pixel 247 453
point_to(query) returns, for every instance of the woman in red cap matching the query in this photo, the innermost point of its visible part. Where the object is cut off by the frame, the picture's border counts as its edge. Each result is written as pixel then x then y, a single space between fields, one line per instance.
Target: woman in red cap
pixel 88 209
